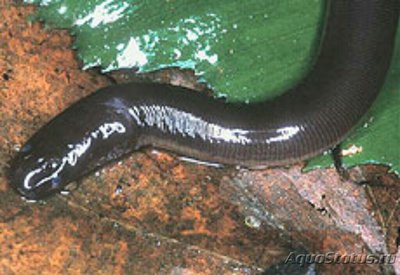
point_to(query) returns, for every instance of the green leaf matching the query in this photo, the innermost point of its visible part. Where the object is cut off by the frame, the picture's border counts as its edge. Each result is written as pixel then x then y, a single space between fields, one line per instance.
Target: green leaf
pixel 245 52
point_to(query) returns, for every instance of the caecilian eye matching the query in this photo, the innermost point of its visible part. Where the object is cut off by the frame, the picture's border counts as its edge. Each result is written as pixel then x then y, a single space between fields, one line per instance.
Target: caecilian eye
pixel 55 181
pixel 26 148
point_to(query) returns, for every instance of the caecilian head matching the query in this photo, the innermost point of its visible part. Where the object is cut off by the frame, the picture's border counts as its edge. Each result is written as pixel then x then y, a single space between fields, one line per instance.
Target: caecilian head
pixel 36 175
pixel 56 156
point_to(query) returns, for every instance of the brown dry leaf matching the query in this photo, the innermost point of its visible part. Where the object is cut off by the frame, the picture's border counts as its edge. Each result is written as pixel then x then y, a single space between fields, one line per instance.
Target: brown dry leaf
pixel 318 210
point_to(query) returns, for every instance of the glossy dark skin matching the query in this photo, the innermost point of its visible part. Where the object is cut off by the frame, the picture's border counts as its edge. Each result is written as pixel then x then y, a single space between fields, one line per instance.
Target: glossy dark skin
pixel 313 116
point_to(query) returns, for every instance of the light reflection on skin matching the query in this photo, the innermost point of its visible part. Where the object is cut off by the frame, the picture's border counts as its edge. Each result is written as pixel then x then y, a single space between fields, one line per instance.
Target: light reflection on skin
pixel 285 133
pixel 162 117
pixel 104 131
pixel 187 125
